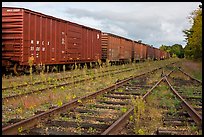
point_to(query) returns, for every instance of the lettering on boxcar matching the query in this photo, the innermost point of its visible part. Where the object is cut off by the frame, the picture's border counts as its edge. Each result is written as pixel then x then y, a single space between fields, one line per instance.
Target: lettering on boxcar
pixel 31 41
pixel 13 10
pixel 37 48
pixel 31 48
pixel 63 41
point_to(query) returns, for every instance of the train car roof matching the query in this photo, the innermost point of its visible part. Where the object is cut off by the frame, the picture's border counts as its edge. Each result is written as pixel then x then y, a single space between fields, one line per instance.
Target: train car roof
pixel 49 16
pixel 116 36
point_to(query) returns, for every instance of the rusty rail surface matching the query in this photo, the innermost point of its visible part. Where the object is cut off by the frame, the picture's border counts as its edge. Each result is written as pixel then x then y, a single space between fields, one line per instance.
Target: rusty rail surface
pixel 190 110
pixel 117 125
pixel 32 121
pixel 51 87
pixel 44 81
pixel 113 129
pixel 190 76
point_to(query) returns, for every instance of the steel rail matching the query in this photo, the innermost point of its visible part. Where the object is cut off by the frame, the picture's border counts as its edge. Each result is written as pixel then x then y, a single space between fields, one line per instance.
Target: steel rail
pixel 39 82
pixel 32 121
pixel 113 129
pixel 117 125
pixel 47 88
pixel 190 110
pixel 44 81
pixel 190 76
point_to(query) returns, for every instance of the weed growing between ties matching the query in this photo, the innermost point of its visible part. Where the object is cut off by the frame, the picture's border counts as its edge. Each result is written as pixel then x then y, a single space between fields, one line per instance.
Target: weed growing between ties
pixel 30 62
pixel 146 117
pixel 58 96
pixel 102 68
pixel 148 114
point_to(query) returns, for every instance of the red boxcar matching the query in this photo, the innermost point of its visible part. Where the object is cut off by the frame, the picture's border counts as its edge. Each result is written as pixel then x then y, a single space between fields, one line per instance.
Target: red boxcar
pixel 139 51
pixel 116 48
pixel 156 54
pixel 150 52
pixel 144 52
pixel 162 54
pixel 46 39
pixel 125 49
pixel 166 55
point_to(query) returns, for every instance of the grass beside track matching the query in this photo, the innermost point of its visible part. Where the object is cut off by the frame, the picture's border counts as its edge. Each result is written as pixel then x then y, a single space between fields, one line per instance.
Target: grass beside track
pixel 23 108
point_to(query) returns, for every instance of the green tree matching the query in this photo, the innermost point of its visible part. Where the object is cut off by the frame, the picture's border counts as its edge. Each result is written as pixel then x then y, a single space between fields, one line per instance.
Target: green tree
pixel 174 50
pixel 193 49
pixel 178 50
pixel 165 48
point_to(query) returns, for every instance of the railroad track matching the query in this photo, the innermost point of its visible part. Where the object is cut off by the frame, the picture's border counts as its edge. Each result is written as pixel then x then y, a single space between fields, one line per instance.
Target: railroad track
pixel 54 79
pixel 7 98
pixel 188 114
pixel 30 91
pixel 174 124
pixel 110 93
pixel 51 80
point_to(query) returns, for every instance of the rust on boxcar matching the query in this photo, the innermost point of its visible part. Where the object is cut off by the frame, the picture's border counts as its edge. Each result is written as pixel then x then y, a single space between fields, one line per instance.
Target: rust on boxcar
pixel 12 35
pixel 156 54
pixel 140 51
pixel 125 49
pixel 150 52
pixel 110 47
pixel 116 48
pixel 144 51
pixel 47 39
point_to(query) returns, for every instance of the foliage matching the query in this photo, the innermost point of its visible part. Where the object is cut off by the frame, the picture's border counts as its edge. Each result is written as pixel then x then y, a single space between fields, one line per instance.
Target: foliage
pixel 139 108
pixel 174 50
pixel 193 49
pixel 165 48
pixel 178 50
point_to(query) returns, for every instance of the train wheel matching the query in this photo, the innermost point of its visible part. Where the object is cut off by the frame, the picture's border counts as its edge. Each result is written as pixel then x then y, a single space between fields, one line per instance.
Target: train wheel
pixel 27 70
pixel 16 69
pixel 54 69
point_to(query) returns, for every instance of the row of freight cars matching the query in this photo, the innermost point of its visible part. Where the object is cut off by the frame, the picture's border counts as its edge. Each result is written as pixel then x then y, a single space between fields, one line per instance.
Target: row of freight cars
pixel 117 48
pixel 29 36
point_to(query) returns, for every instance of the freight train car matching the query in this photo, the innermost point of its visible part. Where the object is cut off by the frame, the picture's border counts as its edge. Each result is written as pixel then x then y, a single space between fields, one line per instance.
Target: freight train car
pixel 150 52
pixel 166 55
pixel 157 54
pixel 144 52
pixel 162 54
pixel 34 39
pixel 42 39
pixel 116 48
pixel 139 51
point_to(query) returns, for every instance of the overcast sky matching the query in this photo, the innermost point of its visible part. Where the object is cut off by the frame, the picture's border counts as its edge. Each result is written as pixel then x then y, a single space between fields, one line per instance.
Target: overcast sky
pixel 154 23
